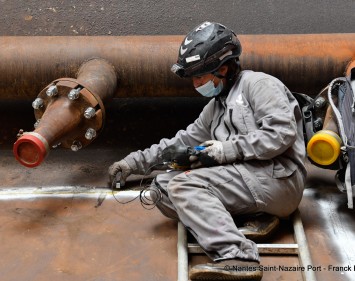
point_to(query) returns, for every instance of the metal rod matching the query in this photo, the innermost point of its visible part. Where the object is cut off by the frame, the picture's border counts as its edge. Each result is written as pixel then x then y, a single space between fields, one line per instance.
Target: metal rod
pixel 183 263
pixel 264 249
pixel 304 253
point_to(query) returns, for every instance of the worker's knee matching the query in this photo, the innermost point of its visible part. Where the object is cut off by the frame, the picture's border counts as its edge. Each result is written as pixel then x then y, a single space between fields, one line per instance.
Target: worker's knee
pixel 154 193
pixel 161 184
pixel 179 185
pixel 158 188
pixel 162 180
pixel 159 197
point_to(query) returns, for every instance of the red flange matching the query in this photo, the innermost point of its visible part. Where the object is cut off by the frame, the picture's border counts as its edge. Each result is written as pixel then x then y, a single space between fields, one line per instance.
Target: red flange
pixel 30 149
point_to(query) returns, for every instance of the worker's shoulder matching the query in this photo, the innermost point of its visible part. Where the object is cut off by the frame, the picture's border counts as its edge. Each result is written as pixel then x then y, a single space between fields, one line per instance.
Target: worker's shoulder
pixel 253 77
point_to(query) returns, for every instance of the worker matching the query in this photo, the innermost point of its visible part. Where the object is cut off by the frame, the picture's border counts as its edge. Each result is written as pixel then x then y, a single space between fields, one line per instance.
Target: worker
pixel 252 129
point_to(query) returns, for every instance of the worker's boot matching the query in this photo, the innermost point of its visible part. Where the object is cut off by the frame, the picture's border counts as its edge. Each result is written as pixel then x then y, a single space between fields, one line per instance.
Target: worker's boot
pixel 233 269
pixel 259 227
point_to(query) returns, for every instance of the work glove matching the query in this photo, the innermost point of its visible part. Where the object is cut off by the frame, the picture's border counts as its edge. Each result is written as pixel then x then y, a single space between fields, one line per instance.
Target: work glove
pixel 118 173
pixel 212 155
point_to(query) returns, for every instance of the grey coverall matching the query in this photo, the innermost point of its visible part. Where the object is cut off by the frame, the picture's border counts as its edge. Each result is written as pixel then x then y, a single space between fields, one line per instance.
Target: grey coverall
pixel 260 125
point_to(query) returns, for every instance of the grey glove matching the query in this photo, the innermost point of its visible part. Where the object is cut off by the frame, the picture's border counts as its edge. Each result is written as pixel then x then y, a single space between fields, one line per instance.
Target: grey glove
pixel 120 169
pixel 213 150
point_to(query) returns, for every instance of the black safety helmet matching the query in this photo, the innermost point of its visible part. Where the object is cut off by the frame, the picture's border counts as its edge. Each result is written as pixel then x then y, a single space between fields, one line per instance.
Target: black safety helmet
pixel 205 49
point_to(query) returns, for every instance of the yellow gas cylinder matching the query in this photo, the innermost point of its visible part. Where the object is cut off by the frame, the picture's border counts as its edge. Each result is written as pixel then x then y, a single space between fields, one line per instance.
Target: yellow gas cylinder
pixel 324 147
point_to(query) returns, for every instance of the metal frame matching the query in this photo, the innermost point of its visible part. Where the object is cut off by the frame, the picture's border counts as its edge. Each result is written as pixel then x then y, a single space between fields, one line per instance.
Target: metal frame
pixel 299 248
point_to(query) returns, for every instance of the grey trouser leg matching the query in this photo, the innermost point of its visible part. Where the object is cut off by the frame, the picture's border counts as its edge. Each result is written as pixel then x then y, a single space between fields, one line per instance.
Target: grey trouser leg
pixel 205 200
pixel 159 194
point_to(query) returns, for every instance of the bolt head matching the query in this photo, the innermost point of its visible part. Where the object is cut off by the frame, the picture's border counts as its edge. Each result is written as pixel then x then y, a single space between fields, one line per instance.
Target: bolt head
pixel 37 103
pixel 89 112
pixel 52 91
pixel 318 123
pixel 74 94
pixel 37 123
pixel 76 146
pixel 90 134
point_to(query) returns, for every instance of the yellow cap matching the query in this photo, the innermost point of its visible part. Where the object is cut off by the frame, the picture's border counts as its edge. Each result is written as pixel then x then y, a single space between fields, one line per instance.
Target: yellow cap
pixel 324 147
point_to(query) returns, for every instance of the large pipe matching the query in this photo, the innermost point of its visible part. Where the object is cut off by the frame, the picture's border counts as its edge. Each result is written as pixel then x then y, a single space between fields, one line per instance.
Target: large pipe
pixel 69 112
pixel 304 62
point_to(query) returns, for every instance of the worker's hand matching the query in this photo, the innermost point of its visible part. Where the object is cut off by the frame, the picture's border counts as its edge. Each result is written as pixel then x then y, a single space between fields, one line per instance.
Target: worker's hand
pixel 214 149
pixel 120 169
pixel 212 155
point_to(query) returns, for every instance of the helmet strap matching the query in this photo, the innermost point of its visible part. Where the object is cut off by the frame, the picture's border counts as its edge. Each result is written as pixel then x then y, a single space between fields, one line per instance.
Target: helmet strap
pixel 231 76
pixel 218 75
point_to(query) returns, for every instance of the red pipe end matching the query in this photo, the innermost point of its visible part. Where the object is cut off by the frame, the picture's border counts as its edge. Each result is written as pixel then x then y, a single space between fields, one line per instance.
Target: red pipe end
pixel 30 149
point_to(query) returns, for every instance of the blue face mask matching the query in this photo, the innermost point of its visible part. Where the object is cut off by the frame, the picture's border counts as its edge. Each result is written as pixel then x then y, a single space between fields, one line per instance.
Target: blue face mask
pixel 209 90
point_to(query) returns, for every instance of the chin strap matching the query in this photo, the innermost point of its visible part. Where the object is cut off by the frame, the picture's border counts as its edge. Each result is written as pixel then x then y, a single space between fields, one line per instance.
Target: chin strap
pixel 218 75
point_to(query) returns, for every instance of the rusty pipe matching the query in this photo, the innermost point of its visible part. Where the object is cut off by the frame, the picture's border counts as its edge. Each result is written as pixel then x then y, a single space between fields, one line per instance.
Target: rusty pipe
pixel 304 62
pixel 69 112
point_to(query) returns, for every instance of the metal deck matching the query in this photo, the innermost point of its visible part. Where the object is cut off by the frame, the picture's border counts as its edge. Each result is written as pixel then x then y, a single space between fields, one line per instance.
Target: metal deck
pixel 59 222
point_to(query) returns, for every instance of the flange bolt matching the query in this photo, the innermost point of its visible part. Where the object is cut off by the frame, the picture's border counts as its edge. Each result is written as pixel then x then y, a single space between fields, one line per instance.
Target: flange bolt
pixel 90 134
pixel 76 146
pixel 52 91
pixel 74 94
pixel 89 112
pixel 37 103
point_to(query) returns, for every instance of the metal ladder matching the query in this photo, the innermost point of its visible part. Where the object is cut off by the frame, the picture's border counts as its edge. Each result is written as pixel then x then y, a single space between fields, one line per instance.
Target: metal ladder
pixel 299 248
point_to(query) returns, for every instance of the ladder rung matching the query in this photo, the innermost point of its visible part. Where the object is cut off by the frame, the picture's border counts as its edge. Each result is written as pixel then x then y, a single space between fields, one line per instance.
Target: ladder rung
pixel 300 248
pixel 266 249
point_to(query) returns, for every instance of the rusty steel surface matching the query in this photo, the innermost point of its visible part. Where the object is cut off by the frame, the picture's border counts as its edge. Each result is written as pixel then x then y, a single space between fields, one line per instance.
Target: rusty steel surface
pixel 304 62
pixel 76 237
pixel 64 121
